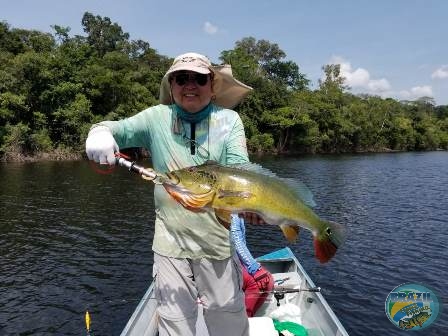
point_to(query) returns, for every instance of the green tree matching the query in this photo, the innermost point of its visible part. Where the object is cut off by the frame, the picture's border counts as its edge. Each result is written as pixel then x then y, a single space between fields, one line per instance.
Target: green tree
pixel 72 122
pixel 306 135
pixel 15 141
pixel 401 135
pixel 52 87
pixel 261 65
pixel 61 33
pixel 10 40
pixel 102 34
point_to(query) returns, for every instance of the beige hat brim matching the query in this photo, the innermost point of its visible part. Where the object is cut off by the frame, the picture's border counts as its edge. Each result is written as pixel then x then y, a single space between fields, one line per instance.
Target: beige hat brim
pixel 228 91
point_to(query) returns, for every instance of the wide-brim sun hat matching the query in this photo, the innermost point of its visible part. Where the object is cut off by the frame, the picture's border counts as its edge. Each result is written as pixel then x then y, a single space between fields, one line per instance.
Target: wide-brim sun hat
pixel 228 91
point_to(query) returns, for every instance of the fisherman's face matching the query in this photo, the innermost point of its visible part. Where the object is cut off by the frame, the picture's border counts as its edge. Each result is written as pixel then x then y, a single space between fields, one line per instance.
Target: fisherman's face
pixel 191 91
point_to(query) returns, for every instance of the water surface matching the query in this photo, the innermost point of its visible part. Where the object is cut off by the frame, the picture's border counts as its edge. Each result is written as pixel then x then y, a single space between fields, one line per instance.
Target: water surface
pixel 72 239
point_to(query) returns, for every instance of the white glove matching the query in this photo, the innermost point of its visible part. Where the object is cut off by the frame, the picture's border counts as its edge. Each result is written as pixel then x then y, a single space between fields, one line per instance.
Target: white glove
pixel 101 145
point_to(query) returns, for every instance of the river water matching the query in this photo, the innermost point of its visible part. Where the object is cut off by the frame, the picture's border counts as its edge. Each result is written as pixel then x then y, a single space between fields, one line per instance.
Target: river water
pixel 73 240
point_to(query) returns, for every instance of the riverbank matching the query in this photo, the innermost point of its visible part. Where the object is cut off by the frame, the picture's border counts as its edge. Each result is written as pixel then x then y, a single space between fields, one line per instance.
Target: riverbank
pixel 52 156
pixel 137 154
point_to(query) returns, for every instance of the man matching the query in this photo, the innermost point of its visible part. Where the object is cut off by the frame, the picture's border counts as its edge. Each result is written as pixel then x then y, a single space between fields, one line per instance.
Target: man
pixel 193 257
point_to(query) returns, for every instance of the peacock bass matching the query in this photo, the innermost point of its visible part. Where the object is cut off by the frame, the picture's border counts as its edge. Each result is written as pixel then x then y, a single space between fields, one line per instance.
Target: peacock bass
pixel 249 188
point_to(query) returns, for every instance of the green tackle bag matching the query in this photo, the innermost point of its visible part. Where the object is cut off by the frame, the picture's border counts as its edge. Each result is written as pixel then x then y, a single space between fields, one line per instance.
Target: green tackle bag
pixel 293 328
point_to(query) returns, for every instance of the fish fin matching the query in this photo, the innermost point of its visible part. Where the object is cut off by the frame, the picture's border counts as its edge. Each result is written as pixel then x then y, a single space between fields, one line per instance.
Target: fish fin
pixel 328 241
pixel 198 210
pixel 291 232
pixel 301 190
pixel 254 167
pixel 293 184
pixel 190 201
pixel 223 217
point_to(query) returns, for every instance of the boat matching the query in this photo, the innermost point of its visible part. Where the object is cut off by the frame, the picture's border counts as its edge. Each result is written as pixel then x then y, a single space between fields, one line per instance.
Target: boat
pixel 292 286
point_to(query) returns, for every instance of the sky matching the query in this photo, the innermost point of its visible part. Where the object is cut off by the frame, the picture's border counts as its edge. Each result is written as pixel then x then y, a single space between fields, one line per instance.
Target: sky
pixel 390 48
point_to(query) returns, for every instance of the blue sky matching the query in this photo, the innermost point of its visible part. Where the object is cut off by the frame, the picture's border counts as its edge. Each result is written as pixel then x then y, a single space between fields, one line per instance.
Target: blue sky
pixel 392 48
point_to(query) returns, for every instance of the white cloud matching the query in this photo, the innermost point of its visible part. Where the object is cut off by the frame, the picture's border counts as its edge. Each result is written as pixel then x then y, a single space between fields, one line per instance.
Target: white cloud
pixel 210 29
pixel 378 85
pixel 420 91
pixel 441 72
pixel 359 79
pixel 416 92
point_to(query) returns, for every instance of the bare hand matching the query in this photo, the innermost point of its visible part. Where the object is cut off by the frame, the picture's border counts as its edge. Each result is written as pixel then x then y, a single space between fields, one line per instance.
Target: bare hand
pixel 252 218
pixel 262 277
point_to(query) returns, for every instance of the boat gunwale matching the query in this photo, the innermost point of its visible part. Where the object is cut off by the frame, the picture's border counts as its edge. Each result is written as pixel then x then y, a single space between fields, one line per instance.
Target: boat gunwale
pixel 290 256
pixel 284 255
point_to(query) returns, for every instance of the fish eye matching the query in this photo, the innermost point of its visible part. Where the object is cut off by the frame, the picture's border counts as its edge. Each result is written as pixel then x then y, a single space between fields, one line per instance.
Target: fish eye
pixel 328 232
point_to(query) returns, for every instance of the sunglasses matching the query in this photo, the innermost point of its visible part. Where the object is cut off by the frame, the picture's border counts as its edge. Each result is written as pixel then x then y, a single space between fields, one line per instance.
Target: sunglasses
pixel 183 78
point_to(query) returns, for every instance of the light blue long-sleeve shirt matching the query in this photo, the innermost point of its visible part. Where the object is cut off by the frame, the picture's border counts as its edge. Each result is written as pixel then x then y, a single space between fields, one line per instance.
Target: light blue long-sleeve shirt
pixel 181 233
pixel 238 238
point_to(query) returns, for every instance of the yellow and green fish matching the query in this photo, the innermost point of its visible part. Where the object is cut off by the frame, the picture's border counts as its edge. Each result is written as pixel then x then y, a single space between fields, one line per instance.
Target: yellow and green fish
pixel 416 320
pixel 252 189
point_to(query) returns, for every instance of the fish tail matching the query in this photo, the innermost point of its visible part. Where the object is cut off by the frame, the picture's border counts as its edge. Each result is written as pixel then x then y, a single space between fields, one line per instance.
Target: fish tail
pixel 328 240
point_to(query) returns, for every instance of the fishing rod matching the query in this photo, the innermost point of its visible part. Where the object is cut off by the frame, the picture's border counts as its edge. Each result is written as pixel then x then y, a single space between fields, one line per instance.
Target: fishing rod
pixel 294 290
pixel 279 292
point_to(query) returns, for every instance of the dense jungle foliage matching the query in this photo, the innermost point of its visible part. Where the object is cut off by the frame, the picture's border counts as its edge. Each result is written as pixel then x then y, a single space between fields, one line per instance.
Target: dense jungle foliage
pixel 54 86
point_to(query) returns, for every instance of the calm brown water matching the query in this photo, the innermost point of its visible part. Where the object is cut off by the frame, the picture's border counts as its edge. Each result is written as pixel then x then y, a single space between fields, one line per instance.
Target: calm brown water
pixel 72 239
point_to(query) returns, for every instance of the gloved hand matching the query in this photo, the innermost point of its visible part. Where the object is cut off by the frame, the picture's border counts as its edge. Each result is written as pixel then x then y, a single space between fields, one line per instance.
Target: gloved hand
pixel 264 279
pixel 101 145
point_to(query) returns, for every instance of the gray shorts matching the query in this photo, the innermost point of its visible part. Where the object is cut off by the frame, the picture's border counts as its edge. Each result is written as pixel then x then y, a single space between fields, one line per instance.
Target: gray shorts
pixel 179 283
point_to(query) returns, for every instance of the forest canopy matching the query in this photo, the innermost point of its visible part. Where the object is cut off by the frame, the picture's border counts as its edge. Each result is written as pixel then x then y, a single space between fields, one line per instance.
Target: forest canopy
pixel 53 86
